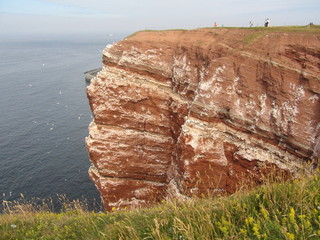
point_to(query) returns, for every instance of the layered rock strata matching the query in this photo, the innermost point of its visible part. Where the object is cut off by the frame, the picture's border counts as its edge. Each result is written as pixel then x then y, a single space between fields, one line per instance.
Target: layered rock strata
pixel 186 113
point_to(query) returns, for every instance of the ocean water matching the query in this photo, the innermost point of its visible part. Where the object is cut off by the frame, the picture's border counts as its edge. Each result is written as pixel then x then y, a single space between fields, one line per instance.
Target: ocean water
pixel 44 116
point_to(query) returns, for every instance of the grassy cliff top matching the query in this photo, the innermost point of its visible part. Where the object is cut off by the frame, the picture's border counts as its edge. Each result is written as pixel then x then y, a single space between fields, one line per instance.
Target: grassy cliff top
pixel 314 29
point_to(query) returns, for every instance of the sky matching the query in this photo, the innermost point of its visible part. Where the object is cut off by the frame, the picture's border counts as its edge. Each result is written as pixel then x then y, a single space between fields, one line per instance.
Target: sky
pixel 109 16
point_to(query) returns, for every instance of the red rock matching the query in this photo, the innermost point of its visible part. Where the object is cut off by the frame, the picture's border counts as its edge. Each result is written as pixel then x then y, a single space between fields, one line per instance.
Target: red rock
pixel 186 113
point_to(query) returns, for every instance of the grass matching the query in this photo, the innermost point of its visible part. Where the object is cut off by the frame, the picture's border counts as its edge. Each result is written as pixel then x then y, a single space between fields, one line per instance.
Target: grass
pixel 286 29
pixel 257 32
pixel 287 210
pixel 250 38
pixel 150 30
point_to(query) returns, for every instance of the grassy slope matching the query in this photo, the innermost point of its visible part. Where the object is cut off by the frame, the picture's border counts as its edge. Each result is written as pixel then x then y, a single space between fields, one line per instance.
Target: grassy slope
pixel 294 29
pixel 272 211
pixel 315 29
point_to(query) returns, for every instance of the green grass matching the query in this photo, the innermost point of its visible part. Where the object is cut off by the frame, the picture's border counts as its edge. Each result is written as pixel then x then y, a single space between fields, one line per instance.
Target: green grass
pixel 274 211
pixel 257 31
pixel 250 38
pixel 287 29
pixel 157 31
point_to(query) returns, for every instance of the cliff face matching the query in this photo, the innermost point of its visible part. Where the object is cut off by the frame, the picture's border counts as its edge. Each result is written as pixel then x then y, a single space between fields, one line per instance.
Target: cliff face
pixel 184 113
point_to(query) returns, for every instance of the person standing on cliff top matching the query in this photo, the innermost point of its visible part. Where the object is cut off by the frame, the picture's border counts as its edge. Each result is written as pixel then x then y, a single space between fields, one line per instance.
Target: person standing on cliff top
pixel 266 22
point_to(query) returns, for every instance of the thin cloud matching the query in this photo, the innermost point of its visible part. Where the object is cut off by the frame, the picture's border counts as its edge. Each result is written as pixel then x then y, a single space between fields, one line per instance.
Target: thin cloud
pixel 51 8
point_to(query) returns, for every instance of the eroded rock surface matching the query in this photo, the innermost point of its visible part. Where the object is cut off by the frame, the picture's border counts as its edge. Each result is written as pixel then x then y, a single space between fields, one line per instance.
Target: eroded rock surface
pixel 184 113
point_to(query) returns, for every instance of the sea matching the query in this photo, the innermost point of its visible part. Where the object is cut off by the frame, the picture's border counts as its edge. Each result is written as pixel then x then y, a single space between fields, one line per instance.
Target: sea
pixel 44 116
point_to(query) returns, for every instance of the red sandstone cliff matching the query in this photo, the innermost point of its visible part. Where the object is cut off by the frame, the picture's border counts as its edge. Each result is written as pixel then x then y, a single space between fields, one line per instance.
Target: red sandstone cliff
pixel 183 113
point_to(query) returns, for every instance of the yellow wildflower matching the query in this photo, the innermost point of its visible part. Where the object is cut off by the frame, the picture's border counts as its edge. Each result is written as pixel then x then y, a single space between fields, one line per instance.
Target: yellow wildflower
pixel 264 213
pixel 290 236
pixel 292 216
pixel 255 229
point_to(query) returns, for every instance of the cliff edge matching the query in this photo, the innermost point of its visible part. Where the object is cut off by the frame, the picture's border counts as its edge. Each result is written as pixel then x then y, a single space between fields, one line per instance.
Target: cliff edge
pixel 187 113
